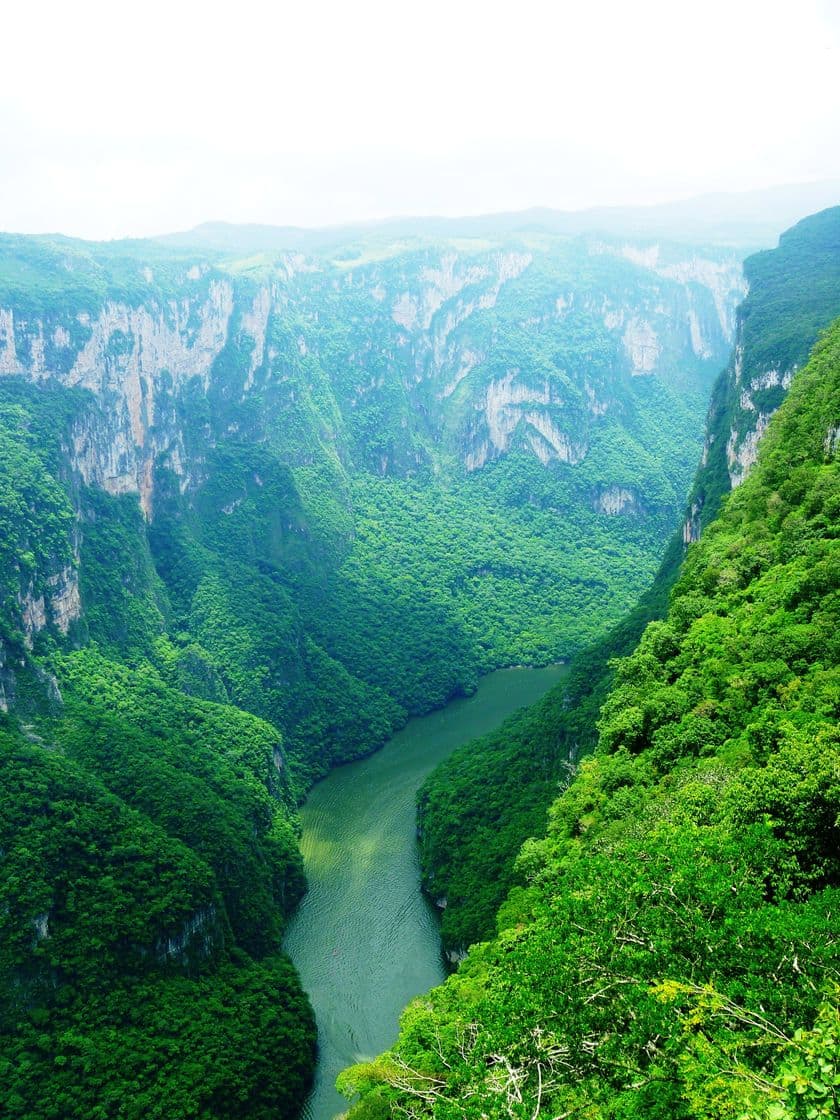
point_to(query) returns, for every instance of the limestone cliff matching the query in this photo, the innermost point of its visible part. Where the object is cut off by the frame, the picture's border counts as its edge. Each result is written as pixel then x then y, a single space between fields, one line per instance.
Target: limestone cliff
pixel 570 353
pixel 426 315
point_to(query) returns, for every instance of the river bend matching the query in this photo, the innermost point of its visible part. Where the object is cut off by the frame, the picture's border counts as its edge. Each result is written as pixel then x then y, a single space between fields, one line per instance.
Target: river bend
pixel 364 939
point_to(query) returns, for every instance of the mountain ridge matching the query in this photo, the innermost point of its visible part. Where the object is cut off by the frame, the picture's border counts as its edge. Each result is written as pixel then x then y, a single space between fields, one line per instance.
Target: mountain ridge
pixel 724 217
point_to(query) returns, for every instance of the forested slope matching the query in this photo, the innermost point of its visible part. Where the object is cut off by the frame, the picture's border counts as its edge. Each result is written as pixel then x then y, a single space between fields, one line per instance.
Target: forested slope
pixel 478 808
pixel 672 950
pixel 146 872
pixel 149 852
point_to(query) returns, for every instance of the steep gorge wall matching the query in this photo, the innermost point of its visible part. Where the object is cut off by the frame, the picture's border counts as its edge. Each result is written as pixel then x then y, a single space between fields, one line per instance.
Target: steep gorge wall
pixel 133 360
pixel 794 293
pixel 460 354
pixel 528 351
pixel 137 359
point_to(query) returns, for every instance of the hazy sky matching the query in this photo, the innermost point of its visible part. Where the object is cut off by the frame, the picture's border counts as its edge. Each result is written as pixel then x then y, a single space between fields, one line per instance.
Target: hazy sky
pixel 135 118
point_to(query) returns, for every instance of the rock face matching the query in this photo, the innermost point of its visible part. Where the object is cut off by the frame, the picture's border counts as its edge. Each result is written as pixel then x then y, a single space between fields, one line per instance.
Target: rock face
pixel 691 524
pixel 60 605
pixel 642 347
pixel 130 359
pixel 750 418
pixel 197 938
pixel 64 601
pixel 794 293
pixel 510 407
pixel 7 680
pixel 617 499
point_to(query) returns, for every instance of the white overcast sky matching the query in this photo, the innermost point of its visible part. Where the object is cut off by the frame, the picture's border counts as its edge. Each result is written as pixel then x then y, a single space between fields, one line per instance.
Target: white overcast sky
pixel 126 119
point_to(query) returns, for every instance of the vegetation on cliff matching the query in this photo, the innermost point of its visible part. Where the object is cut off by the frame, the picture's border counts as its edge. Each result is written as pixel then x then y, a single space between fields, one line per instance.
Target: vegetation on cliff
pixel 472 824
pixel 671 948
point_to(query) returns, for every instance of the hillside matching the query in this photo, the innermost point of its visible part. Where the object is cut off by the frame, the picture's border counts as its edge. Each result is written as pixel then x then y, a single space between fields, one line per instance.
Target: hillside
pixel 481 805
pixel 671 950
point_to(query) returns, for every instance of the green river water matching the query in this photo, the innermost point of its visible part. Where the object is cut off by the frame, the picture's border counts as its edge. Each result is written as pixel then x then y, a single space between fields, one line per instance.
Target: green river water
pixel 364 940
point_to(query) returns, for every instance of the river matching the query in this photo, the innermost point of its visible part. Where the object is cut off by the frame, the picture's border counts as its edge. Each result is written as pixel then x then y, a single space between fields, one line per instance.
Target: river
pixel 364 939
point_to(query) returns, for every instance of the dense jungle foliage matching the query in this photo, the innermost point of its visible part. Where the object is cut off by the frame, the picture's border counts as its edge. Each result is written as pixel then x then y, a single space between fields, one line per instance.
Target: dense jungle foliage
pixel 472 826
pixel 123 990
pixel 671 948
pixel 141 908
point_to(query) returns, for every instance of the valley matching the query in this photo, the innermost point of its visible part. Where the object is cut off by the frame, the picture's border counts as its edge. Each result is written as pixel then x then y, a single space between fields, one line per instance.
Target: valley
pixel 267 505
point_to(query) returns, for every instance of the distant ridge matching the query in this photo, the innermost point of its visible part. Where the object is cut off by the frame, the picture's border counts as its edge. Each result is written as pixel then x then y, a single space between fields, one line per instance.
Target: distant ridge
pixel 753 219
